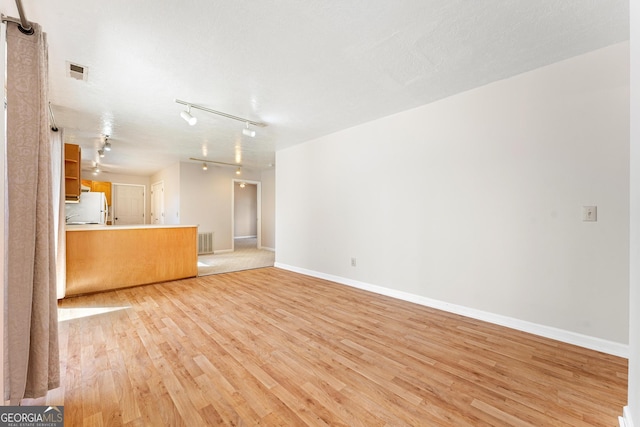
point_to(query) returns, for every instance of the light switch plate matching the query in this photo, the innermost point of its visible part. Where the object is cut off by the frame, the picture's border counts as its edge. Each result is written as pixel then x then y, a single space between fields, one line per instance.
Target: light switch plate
pixel 590 213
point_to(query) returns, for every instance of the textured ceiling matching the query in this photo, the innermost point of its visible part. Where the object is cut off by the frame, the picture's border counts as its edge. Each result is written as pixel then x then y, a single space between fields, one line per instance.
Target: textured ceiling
pixel 307 68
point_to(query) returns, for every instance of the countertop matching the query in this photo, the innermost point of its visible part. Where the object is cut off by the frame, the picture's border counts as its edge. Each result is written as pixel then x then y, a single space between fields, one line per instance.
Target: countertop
pixel 100 227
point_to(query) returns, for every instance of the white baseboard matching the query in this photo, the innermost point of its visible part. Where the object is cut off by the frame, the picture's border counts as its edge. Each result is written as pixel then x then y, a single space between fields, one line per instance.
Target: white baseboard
pixel 593 343
pixel 625 420
pixel 245 237
pixel 267 248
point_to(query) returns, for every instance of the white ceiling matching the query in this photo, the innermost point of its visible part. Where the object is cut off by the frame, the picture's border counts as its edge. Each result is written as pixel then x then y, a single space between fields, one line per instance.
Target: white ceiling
pixel 307 68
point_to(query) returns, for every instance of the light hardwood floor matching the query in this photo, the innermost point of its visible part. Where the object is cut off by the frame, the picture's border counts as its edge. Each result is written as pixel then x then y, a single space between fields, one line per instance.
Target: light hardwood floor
pixel 270 347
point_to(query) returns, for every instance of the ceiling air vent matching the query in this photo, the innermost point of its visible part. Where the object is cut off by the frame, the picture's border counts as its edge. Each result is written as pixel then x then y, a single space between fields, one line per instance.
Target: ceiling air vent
pixel 76 71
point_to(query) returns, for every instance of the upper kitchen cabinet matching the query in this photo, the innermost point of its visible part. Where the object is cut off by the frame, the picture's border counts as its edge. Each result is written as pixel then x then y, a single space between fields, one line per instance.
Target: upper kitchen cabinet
pixel 72 177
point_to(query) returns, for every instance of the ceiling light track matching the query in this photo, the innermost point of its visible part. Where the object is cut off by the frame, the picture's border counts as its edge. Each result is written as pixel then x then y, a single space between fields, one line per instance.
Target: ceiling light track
pixel 235 165
pixel 220 113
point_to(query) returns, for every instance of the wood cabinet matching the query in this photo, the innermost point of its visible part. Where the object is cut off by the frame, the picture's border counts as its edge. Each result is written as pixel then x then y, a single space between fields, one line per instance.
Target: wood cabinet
pixel 101 258
pixel 72 174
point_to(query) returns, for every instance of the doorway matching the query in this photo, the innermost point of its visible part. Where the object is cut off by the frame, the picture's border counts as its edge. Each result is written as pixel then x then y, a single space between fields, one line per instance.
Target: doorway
pixel 247 252
pixel 128 204
pixel 246 213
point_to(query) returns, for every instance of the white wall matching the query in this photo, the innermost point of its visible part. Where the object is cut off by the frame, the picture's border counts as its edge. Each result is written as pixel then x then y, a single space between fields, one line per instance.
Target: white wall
pixel 632 412
pixel 205 199
pixel 268 178
pixel 500 173
pixel 171 180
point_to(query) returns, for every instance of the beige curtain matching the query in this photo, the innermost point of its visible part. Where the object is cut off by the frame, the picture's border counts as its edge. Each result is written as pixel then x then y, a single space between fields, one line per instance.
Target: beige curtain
pixel 31 324
pixel 57 174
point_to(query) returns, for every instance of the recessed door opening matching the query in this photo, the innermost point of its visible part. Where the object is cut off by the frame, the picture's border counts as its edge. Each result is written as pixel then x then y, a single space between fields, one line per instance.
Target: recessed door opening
pixel 246 228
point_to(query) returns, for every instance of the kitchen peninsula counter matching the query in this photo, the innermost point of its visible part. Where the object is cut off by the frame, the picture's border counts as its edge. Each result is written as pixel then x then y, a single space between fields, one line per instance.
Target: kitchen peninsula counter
pixel 106 257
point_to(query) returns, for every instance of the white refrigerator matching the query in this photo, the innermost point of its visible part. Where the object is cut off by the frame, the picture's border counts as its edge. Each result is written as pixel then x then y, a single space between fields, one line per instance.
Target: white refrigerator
pixel 91 209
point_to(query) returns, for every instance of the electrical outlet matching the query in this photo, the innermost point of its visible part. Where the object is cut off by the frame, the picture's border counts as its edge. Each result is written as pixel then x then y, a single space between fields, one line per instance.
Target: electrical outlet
pixel 590 213
pixel 353 262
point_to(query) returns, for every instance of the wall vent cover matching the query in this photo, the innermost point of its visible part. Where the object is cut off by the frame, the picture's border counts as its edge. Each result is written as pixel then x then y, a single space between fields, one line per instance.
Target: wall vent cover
pixel 205 243
pixel 77 71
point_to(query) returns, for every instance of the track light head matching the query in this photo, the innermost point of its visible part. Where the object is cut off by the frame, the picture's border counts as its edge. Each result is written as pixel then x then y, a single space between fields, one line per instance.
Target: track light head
pixel 186 115
pixel 248 132
pixel 204 166
pixel 101 152
pixel 107 146
pixel 238 171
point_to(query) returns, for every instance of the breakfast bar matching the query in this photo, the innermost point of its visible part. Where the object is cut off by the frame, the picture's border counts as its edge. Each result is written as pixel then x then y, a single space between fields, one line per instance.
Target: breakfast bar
pixel 106 257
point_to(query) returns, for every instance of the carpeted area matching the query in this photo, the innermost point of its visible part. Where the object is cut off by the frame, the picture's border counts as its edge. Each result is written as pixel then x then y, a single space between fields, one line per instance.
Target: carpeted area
pixel 245 257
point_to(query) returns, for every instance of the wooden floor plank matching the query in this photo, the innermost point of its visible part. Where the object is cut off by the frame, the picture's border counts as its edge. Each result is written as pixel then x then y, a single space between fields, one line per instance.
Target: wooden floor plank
pixel 272 347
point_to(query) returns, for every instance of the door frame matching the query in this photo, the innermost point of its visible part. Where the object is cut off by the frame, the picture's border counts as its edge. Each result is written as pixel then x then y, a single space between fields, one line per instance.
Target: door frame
pixel 258 185
pixel 114 202
pixel 153 197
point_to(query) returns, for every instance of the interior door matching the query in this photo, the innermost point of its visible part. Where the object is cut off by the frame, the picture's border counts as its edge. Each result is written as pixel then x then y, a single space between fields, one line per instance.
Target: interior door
pixel 157 203
pixel 128 204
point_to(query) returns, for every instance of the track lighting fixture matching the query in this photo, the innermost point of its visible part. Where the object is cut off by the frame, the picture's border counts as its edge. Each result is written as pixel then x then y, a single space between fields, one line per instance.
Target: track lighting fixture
pixel 205 163
pixel 186 115
pixel 101 152
pixel 242 185
pixel 105 142
pixel 248 132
